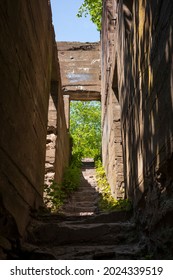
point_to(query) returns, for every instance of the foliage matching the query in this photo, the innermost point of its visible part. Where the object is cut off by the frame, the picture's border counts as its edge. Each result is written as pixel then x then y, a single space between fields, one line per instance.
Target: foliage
pixel 55 194
pixel 94 8
pixel 86 135
pixel 107 202
pixel 71 178
pixel 76 159
pixel 85 128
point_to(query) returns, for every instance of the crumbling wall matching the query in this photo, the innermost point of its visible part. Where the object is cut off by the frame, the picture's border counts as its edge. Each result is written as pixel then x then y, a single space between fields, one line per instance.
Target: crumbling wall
pixel 111 120
pixel 25 65
pixel 51 136
pixel 145 84
pixel 58 145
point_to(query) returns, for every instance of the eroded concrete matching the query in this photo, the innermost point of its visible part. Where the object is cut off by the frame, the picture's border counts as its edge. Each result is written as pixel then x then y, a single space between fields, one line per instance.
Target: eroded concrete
pixel 80 70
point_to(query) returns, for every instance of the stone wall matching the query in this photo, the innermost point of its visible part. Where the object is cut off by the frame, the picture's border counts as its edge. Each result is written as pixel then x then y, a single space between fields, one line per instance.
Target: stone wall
pixel 58 145
pixel 144 51
pixel 26 44
pixel 111 120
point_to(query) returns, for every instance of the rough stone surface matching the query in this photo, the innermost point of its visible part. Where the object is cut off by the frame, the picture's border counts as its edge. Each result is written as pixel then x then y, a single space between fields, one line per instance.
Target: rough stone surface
pixel 111 126
pixel 71 236
pixel 101 236
pixel 81 232
pixel 58 145
pixel 81 238
pixel 84 201
pixel 5 244
pixel 25 66
pixel 63 152
pixel 29 71
pixel 80 70
pixel 141 63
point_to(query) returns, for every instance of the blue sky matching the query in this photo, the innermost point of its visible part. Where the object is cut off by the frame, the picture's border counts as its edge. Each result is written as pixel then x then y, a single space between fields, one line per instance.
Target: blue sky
pixel 70 28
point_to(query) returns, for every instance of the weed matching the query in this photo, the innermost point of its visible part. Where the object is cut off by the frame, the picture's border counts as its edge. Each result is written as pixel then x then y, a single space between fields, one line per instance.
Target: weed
pixel 107 201
pixel 55 194
pixel 71 178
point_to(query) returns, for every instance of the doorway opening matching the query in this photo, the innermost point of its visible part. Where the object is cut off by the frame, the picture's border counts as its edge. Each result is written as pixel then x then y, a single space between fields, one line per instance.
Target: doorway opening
pixel 85 128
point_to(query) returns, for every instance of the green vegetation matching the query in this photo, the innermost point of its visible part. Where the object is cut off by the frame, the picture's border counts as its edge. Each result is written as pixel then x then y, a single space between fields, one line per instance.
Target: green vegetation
pixel 149 256
pixel 85 128
pixel 86 136
pixel 94 8
pixel 55 194
pixel 107 202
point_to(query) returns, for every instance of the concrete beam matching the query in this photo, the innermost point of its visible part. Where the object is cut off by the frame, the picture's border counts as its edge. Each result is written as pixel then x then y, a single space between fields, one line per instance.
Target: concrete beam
pixel 80 70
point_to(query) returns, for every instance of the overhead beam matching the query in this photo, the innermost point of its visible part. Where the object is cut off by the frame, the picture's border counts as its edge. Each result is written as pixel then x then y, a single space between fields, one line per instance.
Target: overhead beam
pixel 80 70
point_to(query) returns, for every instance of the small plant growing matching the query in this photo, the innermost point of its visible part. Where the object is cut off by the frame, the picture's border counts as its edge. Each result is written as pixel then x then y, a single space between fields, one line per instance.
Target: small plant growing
pixel 55 194
pixel 107 201
pixel 71 178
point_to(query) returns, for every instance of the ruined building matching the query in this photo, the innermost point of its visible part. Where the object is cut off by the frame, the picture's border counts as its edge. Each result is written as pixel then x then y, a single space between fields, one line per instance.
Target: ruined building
pixel 131 72
pixel 29 75
pixel 137 95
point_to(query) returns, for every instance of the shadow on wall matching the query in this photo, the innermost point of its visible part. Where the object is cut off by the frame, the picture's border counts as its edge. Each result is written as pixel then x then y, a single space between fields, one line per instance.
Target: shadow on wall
pixel 25 59
pixel 147 111
pixel 58 142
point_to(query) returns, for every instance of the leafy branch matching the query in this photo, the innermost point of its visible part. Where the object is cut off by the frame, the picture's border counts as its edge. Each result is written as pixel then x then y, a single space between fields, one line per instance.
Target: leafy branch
pixel 94 8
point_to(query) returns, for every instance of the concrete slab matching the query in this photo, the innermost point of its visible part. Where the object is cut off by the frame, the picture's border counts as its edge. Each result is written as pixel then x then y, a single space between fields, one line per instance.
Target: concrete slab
pixel 80 70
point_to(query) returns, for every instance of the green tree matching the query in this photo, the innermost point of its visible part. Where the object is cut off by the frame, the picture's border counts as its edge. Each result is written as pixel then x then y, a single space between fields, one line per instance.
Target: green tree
pixel 94 8
pixel 85 128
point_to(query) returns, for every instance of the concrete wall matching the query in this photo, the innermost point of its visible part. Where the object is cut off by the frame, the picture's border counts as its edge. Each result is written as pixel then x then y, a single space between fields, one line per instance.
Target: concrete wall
pixel 80 70
pixel 145 70
pixel 63 151
pixel 26 57
pixel 111 120
pixel 144 50
pixel 27 75
pixel 58 145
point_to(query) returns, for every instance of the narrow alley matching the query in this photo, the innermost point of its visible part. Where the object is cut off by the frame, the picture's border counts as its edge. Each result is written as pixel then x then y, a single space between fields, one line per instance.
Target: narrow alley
pixel 129 72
